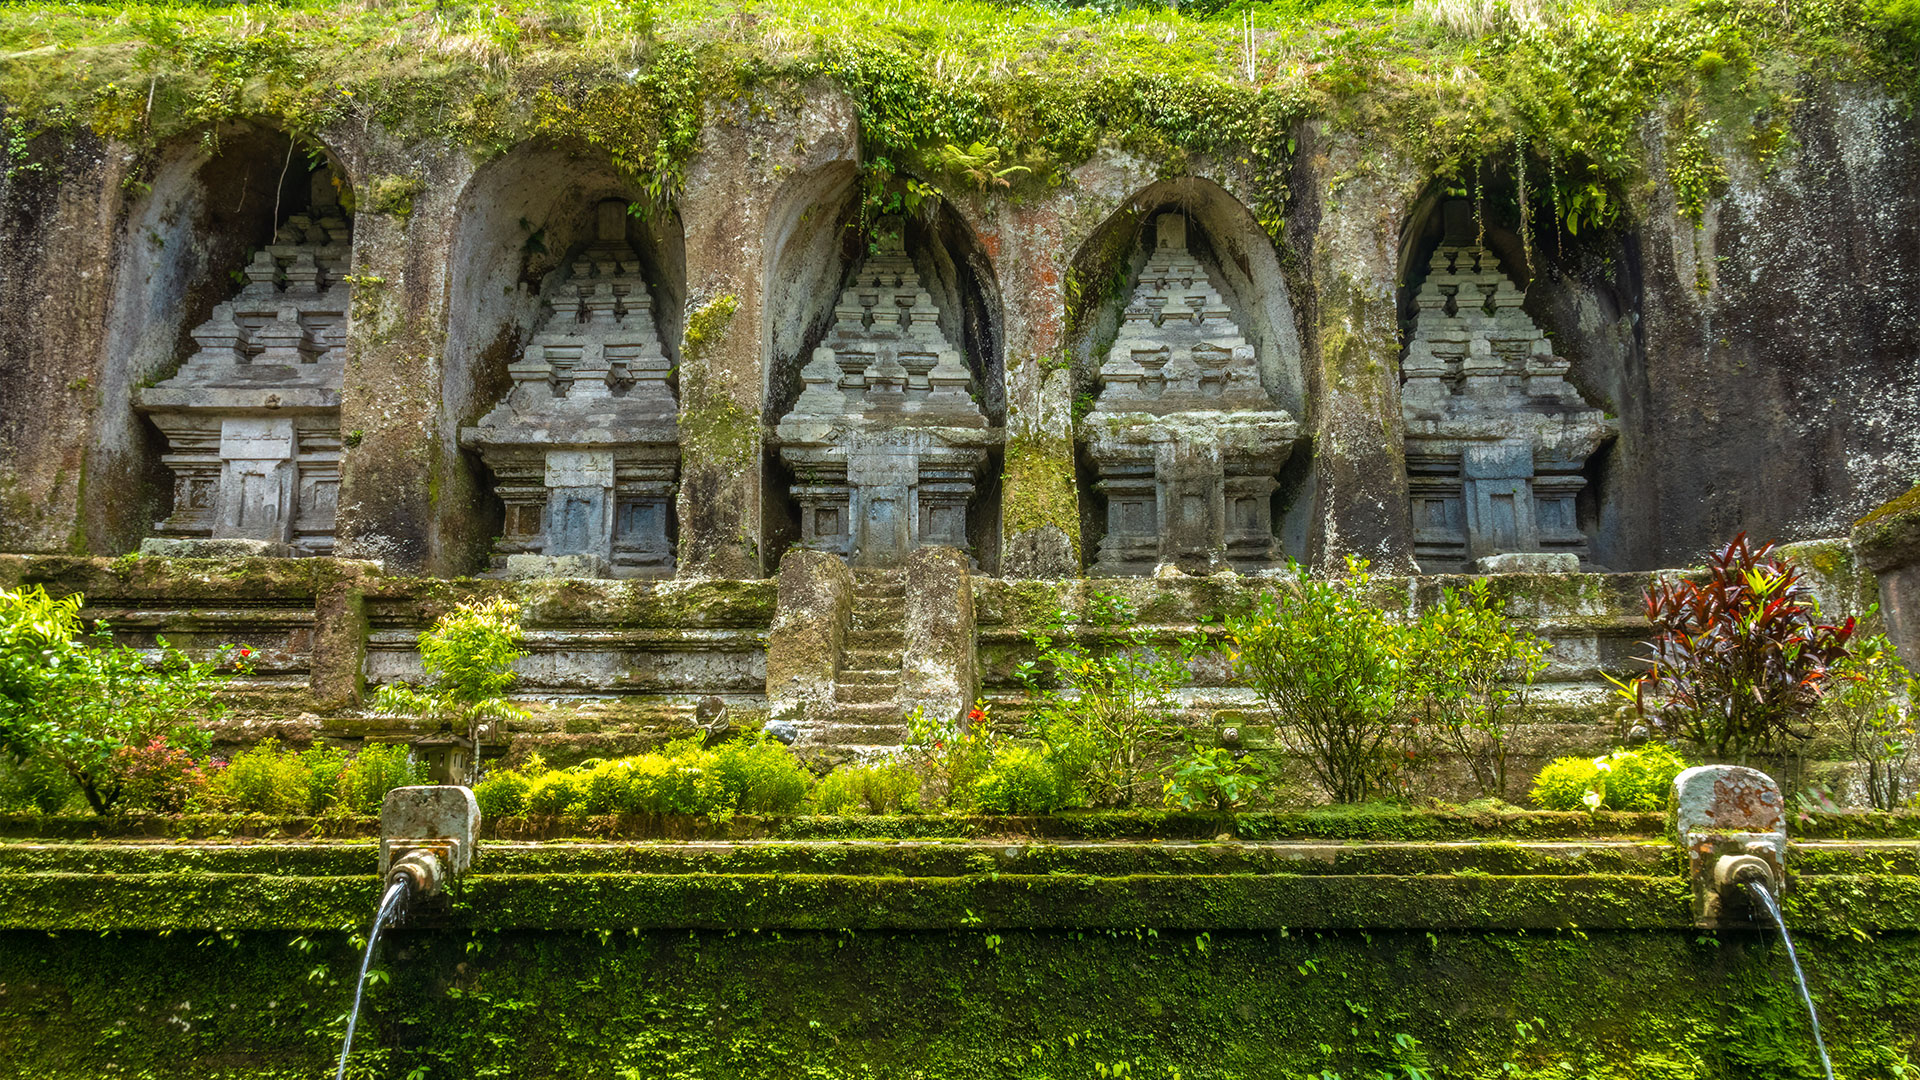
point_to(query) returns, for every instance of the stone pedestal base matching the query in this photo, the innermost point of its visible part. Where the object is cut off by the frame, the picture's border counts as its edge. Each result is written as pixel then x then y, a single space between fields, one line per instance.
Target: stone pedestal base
pixel 203 548
pixel 523 567
pixel 1528 562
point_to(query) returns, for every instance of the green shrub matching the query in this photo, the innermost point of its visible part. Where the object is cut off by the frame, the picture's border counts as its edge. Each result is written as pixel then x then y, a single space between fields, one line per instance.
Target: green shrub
pixel 76 699
pixel 688 785
pixel 1212 778
pixel 502 793
pixel 1023 779
pixel 468 656
pixel 556 792
pixel 761 776
pixel 1623 780
pixel 263 780
pixel 881 787
pixel 35 785
pixel 1324 660
pixel 325 765
pixel 373 772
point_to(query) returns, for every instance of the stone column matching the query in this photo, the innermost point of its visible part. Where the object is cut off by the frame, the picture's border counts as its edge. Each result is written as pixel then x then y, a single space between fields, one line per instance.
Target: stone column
pixel 731 187
pixel 1355 204
pixel 1039 504
pixel 813 609
pixel 405 497
pixel 939 674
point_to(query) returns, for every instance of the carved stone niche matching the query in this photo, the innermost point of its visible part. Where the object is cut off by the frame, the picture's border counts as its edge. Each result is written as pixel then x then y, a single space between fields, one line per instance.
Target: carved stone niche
pixel 252 419
pixel 1496 436
pixel 585 449
pixel 1186 440
pixel 886 442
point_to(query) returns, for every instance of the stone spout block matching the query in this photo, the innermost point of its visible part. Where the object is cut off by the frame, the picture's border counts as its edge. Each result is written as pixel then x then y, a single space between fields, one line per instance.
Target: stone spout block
pixel 1730 821
pixel 426 834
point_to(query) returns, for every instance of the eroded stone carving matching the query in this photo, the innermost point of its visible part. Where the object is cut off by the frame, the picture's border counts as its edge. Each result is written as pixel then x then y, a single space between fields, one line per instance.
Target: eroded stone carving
pixel 885 442
pixel 585 448
pixel 252 419
pixel 1186 439
pixel 1496 436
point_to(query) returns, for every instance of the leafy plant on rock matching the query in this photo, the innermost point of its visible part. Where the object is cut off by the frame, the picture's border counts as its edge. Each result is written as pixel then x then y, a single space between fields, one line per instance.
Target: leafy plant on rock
pixel 1740 661
pixel 1212 778
pixel 469 655
pixel 1323 659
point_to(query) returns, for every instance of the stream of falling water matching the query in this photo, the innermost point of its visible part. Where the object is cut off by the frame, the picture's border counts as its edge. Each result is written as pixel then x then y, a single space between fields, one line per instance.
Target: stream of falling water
pixel 1779 920
pixel 396 893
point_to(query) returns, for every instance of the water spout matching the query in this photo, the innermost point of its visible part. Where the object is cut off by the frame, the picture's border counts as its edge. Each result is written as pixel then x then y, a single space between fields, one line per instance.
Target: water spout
pixel 390 903
pixel 1767 901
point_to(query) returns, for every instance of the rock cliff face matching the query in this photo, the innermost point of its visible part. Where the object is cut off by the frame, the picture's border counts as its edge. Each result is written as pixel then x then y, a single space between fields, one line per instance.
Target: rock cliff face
pixel 1759 365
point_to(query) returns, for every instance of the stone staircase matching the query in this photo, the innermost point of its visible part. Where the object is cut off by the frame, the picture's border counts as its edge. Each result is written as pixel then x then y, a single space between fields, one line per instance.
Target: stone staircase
pixel 867 715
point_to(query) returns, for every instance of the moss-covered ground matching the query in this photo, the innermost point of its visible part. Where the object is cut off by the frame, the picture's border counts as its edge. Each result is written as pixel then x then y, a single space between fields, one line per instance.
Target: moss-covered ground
pixel 955 1004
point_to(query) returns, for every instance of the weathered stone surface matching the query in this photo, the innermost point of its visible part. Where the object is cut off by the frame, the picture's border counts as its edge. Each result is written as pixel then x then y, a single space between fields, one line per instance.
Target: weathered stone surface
pixel 1186 439
pixel 440 818
pixel 585 448
pixel 939 673
pixel 808 632
pixel 1496 437
pixel 885 441
pixel 198 548
pixel 252 418
pixel 1887 541
pixel 1533 562
pixel 1722 812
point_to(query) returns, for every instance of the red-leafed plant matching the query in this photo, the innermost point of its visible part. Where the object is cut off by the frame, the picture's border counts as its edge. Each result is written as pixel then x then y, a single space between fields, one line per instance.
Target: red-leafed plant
pixel 1739 660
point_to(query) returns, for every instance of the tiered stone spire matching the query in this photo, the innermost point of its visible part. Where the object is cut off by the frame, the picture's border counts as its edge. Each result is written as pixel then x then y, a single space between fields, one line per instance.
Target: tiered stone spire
pixel 1496 436
pixel 885 436
pixel 252 419
pixel 1186 439
pixel 585 448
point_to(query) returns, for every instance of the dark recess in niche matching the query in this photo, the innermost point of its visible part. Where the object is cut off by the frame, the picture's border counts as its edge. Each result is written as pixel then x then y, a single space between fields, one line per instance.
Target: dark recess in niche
pixel 1583 291
pixel 956 272
pixel 1105 270
pixel 256 178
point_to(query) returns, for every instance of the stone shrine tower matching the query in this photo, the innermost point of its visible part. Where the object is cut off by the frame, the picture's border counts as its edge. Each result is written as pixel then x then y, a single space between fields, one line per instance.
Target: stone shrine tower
pixel 585 449
pixel 252 419
pixel 886 442
pixel 1496 436
pixel 1186 439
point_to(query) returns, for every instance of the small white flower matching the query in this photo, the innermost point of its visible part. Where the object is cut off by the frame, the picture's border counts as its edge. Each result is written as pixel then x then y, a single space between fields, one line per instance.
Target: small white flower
pixel 1603 764
pixel 1591 799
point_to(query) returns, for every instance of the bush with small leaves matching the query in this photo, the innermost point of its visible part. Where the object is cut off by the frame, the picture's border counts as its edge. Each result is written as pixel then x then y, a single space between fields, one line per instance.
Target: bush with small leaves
pixel 1639 779
pixel 1023 779
pixel 263 780
pixel 761 776
pixel 878 787
pixel 373 772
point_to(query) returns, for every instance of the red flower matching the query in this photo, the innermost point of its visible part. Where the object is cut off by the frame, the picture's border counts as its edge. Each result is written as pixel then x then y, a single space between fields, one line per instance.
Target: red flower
pixel 244 653
pixel 976 714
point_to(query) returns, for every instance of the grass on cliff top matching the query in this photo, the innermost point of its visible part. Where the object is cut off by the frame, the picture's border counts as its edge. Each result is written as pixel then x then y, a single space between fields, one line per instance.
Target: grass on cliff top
pixel 1450 83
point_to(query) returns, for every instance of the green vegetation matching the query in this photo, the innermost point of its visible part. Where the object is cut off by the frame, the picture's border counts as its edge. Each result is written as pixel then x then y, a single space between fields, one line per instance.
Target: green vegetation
pixel 106 715
pixel 979 96
pixel 755 776
pixel 469 655
pixel 1633 780
pixel 1872 708
pixel 1465 678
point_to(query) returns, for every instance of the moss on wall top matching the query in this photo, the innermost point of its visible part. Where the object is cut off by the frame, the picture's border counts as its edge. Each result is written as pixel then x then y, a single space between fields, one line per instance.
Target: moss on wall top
pixel 1038 86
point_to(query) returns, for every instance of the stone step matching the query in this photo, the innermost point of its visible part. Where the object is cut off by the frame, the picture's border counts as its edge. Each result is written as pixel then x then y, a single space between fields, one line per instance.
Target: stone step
pixel 873 659
pixel 875 639
pixel 865 693
pixel 884 713
pixel 878 614
pixel 869 676
pixel 887 736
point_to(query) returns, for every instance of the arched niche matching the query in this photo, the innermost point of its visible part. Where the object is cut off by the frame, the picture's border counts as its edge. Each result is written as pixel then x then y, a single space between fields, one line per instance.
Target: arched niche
pixel 211 210
pixel 819 244
pixel 1582 294
pixel 1242 524
pixel 523 221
